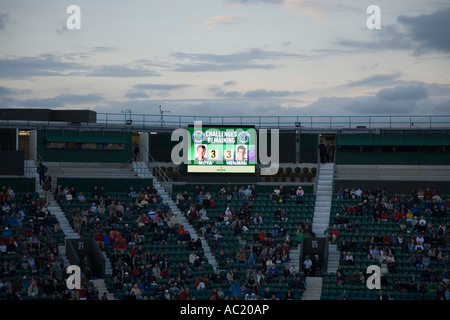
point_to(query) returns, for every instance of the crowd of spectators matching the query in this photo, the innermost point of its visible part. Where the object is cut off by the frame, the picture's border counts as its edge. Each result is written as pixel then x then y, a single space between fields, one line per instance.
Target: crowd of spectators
pixel 31 265
pixel 268 246
pixel 122 224
pixel 421 231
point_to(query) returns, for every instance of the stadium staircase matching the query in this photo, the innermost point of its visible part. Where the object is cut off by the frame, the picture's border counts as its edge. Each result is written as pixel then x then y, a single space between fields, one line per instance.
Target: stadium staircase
pixel 73 170
pixel 143 171
pixel 313 288
pixel 53 207
pixel 324 193
pixel 322 209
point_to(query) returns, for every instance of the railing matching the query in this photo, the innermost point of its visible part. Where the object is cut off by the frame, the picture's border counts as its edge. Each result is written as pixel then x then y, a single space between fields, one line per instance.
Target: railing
pixel 149 121
pixel 159 173
pixel 311 122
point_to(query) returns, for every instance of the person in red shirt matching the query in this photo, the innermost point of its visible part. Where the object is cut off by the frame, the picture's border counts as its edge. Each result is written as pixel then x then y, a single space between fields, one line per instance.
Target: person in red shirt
pixel 164 273
pixel 395 215
pixel 182 294
pixel 384 216
pixel 334 234
pixel 262 236
pixel 99 239
pixel 395 198
pixel 352 209
pixel 133 250
pixel 181 232
pixel 120 245
pixel 136 271
pixel 192 214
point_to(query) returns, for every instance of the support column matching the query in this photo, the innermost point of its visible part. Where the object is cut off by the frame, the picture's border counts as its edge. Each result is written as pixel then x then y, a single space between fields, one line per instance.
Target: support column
pixel 297 146
pixel 33 145
pixel 143 146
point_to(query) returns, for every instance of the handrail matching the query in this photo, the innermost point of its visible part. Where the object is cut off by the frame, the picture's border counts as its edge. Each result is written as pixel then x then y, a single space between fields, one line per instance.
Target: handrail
pixel 313 122
pixel 154 122
pixel 152 164
pixel 123 165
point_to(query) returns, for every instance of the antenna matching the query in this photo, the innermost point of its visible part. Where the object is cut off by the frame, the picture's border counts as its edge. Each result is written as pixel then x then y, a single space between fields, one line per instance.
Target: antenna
pixel 162 115
pixel 128 121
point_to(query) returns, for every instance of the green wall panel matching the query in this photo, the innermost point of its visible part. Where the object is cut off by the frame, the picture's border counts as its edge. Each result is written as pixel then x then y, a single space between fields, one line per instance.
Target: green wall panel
pixel 80 155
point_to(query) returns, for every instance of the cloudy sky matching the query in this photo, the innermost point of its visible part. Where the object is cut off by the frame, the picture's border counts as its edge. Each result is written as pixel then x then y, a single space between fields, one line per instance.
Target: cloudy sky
pixel 227 57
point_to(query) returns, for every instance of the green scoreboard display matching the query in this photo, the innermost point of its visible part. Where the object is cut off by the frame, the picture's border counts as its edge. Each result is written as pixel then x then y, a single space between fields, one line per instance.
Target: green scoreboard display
pixel 221 149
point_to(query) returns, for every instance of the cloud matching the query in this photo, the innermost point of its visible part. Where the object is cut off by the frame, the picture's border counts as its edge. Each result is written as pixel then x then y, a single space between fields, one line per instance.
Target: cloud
pixel 229 83
pixel 62 27
pixel 442 108
pixel 250 59
pixel 102 49
pixel 389 37
pixel 4 20
pixel 259 94
pixel 221 20
pixel 136 95
pixel 430 30
pixel 239 3
pixel 403 93
pixel 210 67
pixel 121 71
pixel 66 65
pixel 59 101
pixel 256 94
pixel 314 9
pixel 421 34
pixel 6 91
pixel 162 87
pixel 43 65
pixel 375 80
pixel 229 94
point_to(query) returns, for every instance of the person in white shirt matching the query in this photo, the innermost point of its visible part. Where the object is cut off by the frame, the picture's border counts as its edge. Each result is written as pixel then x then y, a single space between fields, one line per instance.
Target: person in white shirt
pixel 192 257
pixel 419 239
pixel 307 264
pixel 277 191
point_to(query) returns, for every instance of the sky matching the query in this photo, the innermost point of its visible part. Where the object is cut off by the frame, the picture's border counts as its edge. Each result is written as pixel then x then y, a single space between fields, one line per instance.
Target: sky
pixel 227 57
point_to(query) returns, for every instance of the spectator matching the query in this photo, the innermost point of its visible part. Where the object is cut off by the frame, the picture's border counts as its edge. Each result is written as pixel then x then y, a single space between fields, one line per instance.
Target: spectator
pixel 235 289
pixel 334 234
pixel 307 266
pixel 340 279
pixel 317 266
pixel 41 170
pixel 300 194
pixel 33 290
pixel 46 187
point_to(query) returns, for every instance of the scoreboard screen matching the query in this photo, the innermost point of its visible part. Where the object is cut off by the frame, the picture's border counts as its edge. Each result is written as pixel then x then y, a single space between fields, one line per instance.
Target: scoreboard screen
pixel 221 149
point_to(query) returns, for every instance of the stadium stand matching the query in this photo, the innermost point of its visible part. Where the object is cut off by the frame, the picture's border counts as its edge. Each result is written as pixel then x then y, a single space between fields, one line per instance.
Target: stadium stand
pixel 249 230
pixel 169 235
pixel 406 235
pixel 31 265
